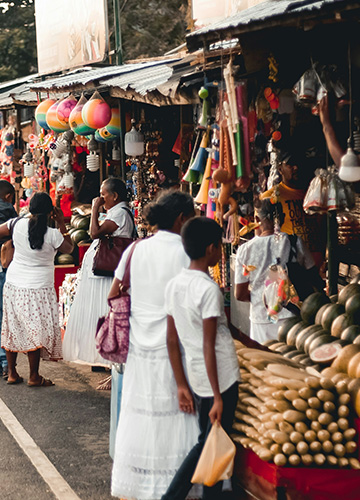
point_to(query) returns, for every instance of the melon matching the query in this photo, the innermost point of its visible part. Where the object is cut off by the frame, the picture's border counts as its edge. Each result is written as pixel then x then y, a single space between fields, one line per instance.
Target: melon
pixel 339 324
pixel 273 347
pixel 350 333
pixel 342 342
pixel 82 223
pixel 311 305
pixel 333 298
pixel 331 313
pixel 320 340
pixel 293 353
pixel 285 327
pixel 319 314
pixel 352 308
pixel 74 219
pixel 285 349
pixel 300 357
pixel 347 292
pixel 65 258
pixel 268 343
pixel 306 361
pixel 304 334
pixel 325 353
pixel 79 235
pixel 354 365
pixel 343 359
pixel 357 340
pixel 294 331
pixel 313 336
pixel 356 279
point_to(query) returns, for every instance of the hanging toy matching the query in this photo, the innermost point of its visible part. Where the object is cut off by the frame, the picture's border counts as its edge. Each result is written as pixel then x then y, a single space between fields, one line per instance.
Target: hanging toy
pixel 273 68
pixel 203 120
pixel 276 293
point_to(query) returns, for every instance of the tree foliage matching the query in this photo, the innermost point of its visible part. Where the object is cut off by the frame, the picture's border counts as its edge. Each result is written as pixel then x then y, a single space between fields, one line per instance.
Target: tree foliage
pixel 17 40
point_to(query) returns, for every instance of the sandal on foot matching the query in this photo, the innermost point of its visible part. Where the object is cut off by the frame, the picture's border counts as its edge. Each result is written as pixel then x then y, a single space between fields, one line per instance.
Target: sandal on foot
pixel 44 382
pixel 18 380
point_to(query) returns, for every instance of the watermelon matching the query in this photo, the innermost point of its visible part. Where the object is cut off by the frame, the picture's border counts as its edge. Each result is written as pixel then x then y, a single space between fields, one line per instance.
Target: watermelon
pixel 65 258
pixel 284 349
pixel 304 334
pixel 320 313
pixel 325 353
pixel 334 298
pixel 320 340
pixel 294 331
pixel 311 305
pixel 350 333
pixel 352 308
pixel 285 327
pixel 268 343
pixel 311 337
pixel 74 219
pixel 291 354
pixel 273 347
pixel 347 292
pixel 356 279
pixel 79 235
pixel 339 324
pixel 331 313
pixel 82 223
pixel 306 361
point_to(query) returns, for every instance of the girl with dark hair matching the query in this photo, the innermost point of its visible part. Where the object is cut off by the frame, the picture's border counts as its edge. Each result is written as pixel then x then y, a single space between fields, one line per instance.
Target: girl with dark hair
pixel 92 291
pixel 30 317
pixel 145 458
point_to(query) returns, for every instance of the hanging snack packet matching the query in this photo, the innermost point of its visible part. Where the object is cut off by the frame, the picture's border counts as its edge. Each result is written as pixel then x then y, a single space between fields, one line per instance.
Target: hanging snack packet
pixel 315 200
pixel 276 291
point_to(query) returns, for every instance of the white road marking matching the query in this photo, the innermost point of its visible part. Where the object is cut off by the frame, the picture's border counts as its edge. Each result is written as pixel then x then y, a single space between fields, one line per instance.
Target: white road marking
pixel 42 464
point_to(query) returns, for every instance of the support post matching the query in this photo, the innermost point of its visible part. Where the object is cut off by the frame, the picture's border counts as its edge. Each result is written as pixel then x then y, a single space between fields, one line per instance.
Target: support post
pixel 333 256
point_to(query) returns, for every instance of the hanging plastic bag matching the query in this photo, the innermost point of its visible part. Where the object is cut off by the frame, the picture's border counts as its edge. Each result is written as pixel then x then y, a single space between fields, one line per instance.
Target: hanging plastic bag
pixel 216 462
pixel 316 197
pixel 277 292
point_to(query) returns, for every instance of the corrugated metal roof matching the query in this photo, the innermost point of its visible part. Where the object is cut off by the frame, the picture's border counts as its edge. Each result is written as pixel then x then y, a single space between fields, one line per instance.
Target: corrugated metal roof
pixel 91 75
pixel 262 12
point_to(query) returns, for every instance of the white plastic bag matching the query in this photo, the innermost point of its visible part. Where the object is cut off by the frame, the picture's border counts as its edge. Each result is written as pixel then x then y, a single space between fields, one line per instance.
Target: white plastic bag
pixel 216 461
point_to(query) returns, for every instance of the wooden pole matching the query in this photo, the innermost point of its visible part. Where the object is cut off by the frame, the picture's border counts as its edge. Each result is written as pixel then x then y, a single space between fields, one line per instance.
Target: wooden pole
pixel 333 256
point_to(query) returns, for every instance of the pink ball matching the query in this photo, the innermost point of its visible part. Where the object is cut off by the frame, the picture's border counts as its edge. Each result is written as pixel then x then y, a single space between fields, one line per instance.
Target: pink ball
pixel 96 113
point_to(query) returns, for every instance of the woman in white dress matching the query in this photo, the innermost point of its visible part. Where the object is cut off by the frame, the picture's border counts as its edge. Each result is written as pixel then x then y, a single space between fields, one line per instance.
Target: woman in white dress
pixel 31 317
pixel 153 435
pixel 90 302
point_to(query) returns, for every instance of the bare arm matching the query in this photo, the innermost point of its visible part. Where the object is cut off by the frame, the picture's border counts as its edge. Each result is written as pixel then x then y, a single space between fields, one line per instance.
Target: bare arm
pixel 332 143
pixel 115 288
pixel 186 402
pixel 67 245
pixel 210 328
pixel 242 292
pixel 107 227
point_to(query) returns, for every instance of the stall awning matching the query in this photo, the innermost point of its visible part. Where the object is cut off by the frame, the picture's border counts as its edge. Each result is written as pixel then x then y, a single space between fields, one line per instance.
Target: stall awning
pixel 272 13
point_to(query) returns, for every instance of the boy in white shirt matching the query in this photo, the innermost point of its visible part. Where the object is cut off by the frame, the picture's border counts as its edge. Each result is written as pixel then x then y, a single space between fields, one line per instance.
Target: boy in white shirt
pixel 197 322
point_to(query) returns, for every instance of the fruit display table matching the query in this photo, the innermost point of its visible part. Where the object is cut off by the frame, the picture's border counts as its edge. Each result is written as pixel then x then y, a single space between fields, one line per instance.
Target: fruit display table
pixel 266 481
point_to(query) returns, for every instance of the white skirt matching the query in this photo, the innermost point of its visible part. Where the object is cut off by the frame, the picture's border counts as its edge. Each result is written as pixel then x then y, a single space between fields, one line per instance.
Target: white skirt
pixel 90 303
pixel 31 321
pixel 153 436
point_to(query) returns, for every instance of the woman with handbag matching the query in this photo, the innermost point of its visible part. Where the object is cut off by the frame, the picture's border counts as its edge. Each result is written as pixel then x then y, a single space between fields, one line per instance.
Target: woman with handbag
pixel 90 301
pixel 30 311
pixel 145 458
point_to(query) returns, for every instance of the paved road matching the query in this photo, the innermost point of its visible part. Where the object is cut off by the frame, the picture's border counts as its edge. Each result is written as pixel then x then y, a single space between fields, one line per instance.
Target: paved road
pixel 70 425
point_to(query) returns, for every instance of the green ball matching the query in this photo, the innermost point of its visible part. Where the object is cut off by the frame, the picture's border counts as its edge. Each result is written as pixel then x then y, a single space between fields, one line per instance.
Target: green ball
pixel 203 93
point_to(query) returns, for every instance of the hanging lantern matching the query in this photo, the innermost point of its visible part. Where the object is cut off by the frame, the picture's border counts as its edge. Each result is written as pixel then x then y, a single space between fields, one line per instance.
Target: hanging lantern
pixel 92 160
pixel 64 109
pixel 114 125
pixel 134 142
pixel 40 112
pixel 76 121
pixel 96 113
pixel 52 119
pixel 68 180
pixel 115 153
pixel 28 169
pixel 61 145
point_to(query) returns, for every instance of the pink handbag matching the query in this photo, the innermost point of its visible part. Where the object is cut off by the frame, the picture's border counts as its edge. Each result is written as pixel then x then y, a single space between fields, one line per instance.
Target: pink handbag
pixel 112 332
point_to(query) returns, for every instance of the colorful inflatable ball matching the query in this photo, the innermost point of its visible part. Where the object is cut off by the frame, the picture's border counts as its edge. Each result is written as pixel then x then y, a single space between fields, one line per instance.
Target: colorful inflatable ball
pixel 96 113
pixel 40 112
pixel 64 109
pixel 76 121
pixel 52 119
pixel 105 134
pixel 114 125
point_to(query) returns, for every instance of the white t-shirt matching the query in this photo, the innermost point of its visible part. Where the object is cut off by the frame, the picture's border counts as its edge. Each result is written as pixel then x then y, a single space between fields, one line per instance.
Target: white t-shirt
pixel 32 268
pixel 261 252
pixel 154 263
pixel 191 297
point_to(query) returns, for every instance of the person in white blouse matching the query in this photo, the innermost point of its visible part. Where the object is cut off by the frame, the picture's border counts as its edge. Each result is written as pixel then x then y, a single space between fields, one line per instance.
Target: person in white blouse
pixel 90 301
pixel 153 436
pixel 31 316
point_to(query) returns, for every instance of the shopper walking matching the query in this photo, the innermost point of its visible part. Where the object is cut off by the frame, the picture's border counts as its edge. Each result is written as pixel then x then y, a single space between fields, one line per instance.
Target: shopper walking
pixel 153 435
pixel 90 301
pixel 7 212
pixel 30 311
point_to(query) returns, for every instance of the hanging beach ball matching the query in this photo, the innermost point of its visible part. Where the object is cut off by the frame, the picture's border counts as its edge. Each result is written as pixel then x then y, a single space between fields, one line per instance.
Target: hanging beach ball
pixel 64 109
pixel 40 112
pixel 98 137
pixel 52 120
pixel 76 121
pixel 96 113
pixel 114 125
pixel 105 134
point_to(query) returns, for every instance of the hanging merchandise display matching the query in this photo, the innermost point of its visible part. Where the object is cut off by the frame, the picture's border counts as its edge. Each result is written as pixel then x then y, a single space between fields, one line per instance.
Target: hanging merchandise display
pixel 52 120
pixel 96 113
pixel 41 111
pixel 64 109
pixel 93 159
pixel 134 142
pixel 76 121
pixel 114 125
